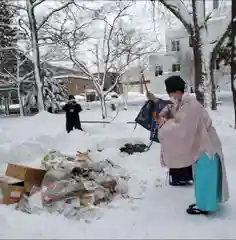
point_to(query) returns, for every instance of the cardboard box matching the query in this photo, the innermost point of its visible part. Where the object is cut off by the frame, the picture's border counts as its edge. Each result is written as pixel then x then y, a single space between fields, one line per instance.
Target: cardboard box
pixel 19 179
pixel 82 156
pixel 12 189
pixel 30 176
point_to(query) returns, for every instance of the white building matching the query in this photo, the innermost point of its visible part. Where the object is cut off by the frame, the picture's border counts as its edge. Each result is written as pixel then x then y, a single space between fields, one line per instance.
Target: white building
pixel 132 80
pixel 178 56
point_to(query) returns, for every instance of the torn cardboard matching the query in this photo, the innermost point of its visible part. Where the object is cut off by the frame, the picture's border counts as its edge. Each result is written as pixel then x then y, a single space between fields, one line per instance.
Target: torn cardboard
pixel 19 179
pixel 82 156
pixel 30 176
pixel 12 189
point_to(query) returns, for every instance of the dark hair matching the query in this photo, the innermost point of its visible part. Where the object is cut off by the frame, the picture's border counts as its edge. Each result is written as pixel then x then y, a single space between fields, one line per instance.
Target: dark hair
pixel 71 97
pixel 174 84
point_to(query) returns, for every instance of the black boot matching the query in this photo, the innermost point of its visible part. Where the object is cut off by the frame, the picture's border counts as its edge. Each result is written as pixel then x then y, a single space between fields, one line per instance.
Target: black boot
pixel 193 210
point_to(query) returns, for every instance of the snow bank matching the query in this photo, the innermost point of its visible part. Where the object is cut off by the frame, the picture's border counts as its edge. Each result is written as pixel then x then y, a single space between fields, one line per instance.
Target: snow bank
pixel 28 137
pixel 153 210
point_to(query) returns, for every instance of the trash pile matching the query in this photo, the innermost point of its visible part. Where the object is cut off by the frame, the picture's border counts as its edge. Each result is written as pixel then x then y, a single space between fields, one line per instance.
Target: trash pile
pixel 72 186
pixel 133 148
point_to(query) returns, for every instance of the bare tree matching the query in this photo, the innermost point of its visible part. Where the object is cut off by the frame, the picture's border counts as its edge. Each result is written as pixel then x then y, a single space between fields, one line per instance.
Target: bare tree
pixel 18 79
pixel 31 29
pixel 213 64
pixel 111 53
pixel 195 23
pixel 54 91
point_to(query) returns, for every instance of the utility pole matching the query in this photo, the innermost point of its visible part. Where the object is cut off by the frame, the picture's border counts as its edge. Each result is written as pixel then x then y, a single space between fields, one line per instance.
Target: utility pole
pixel 233 59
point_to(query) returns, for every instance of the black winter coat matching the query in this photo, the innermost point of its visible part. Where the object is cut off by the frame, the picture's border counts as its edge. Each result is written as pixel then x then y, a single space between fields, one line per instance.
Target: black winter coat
pixel 72 110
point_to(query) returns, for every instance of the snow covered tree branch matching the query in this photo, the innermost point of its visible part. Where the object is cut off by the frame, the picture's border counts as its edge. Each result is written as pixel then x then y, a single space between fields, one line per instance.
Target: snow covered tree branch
pixel 19 78
pixel 180 11
pixel 32 29
pixel 50 14
pixel 112 53
pixel 213 60
pixel 195 23
pixel 54 91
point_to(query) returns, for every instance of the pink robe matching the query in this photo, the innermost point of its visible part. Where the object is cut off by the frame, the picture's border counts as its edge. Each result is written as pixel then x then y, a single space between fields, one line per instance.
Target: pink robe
pixel 188 135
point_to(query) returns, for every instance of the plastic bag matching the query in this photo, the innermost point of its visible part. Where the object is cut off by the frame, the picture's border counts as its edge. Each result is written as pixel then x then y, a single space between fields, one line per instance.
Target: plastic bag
pixel 36 202
pixel 55 175
pixel 54 159
pixel 32 203
pixel 63 189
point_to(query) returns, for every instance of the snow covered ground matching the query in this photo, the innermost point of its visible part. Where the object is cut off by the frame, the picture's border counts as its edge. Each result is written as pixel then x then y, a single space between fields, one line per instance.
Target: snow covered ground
pixel 153 211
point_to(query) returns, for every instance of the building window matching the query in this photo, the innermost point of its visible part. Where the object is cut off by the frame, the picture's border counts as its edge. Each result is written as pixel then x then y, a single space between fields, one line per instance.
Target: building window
pixel 215 4
pixel 175 46
pixel 176 67
pixel 15 101
pixel 158 70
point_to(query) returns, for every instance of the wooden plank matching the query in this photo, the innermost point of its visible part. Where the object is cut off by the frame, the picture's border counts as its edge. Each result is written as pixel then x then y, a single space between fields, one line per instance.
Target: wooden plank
pixel 95 122
pixel 106 122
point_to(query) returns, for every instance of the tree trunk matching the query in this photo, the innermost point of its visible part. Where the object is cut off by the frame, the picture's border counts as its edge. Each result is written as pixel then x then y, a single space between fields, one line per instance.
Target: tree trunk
pixel 125 91
pixel 197 52
pixel 36 55
pixel 207 86
pixel 20 101
pixel 200 58
pixel 103 106
pixel 213 57
pixel 198 72
pixel 7 107
pixel 125 100
pixel 233 60
pixel 213 86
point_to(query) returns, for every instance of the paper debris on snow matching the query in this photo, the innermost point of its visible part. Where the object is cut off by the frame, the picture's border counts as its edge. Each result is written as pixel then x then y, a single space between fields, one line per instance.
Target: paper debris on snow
pixel 74 188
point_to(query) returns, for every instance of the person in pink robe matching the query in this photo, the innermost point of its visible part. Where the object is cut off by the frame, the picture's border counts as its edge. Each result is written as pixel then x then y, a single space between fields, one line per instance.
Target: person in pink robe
pixel 189 139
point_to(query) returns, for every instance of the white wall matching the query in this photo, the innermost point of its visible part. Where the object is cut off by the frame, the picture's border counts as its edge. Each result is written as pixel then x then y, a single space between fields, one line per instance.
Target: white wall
pixel 185 56
pixel 133 74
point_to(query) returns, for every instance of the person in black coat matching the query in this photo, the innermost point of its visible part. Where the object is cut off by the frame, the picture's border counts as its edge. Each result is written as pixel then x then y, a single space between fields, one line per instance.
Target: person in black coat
pixel 72 109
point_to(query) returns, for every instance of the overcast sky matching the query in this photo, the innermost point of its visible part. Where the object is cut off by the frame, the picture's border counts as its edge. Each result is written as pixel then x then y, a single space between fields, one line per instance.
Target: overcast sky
pixel 143 17
pixel 142 14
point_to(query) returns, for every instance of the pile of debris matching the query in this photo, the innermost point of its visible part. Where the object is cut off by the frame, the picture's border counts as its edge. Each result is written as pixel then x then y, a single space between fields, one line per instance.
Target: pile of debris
pixel 133 148
pixel 66 185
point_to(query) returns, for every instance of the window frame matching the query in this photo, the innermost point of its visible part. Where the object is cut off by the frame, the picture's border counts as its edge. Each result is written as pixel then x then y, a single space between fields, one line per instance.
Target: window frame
pixel 175 45
pixel 177 67
pixel 158 70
